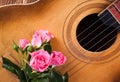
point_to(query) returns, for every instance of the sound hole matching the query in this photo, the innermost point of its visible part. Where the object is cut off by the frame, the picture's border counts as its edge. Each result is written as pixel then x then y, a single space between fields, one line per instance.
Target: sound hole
pixel 92 34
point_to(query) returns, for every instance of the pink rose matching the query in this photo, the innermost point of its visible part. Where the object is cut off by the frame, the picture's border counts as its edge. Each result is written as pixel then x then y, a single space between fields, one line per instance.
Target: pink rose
pixel 57 58
pixel 41 36
pixel 23 43
pixel 46 36
pixel 36 40
pixel 40 60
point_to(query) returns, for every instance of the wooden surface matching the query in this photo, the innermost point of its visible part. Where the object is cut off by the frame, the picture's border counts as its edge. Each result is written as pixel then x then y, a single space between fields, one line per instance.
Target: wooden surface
pixel 61 18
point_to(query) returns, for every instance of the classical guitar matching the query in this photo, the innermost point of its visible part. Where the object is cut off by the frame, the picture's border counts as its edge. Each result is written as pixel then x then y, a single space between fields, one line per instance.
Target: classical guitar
pixel 87 32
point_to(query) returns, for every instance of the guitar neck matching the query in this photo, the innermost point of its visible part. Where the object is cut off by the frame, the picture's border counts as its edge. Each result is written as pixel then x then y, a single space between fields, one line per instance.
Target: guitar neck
pixel 111 14
pixel 16 2
pixel 114 9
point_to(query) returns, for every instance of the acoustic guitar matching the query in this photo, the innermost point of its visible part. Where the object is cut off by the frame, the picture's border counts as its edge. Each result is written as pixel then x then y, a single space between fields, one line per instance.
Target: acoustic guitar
pixel 86 31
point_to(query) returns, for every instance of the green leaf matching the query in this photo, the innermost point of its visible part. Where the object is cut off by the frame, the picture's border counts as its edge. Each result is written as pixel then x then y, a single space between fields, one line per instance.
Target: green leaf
pixel 28 71
pixel 43 75
pixel 41 80
pixel 7 64
pixel 31 75
pixel 65 77
pixel 48 48
pixel 55 77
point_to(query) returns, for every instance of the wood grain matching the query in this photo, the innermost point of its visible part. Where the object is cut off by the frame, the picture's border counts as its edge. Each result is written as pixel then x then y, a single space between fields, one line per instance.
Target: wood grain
pixel 61 18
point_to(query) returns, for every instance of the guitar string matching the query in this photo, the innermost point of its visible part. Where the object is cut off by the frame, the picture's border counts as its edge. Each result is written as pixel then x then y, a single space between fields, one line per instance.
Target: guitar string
pixel 96 50
pixel 8 2
pixel 102 39
pixel 82 33
pixel 91 40
pixel 98 42
pixel 87 36
pixel 97 57
pixel 104 44
pixel 67 64
pixel 98 35
pixel 75 59
pixel 89 62
pixel 86 29
pixel 94 30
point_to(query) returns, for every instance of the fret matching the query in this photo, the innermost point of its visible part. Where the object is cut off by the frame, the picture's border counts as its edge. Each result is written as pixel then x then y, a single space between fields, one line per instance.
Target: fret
pixel 115 13
pixel 117 5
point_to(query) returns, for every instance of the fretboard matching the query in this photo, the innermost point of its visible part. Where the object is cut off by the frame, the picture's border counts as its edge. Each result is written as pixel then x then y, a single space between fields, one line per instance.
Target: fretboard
pixel 16 2
pixel 114 9
pixel 111 14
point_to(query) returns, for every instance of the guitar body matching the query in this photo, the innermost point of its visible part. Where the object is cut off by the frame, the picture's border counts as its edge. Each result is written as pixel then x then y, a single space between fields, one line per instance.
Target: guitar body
pixel 61 18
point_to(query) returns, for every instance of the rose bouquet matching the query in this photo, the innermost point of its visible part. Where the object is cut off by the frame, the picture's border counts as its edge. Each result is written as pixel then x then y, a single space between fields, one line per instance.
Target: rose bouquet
pixel 37 60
